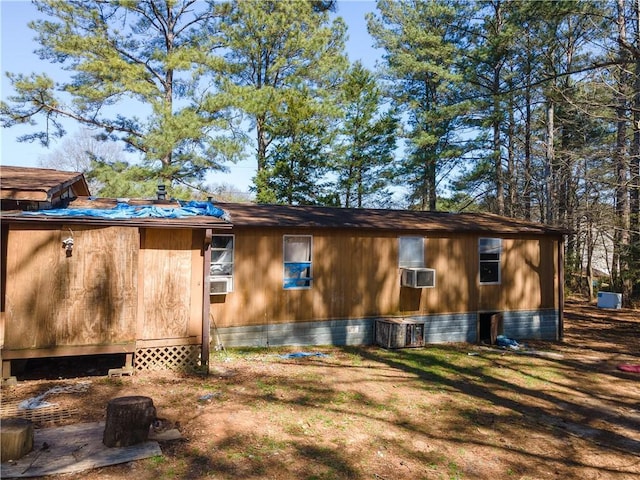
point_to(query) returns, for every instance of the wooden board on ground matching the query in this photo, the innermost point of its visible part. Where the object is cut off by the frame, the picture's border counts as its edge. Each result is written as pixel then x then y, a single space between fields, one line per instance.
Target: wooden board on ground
pixel 71 449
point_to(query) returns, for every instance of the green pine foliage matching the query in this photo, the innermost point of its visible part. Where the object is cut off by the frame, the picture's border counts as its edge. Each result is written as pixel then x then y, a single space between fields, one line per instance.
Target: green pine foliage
pixel 300 158
pixel 279 55
pixel 156 56
pixel 422 56
pixel 364 159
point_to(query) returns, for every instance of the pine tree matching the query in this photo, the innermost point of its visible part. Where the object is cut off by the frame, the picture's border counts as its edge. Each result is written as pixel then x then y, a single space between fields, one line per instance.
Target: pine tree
pixel 301 152
pixel 491 38
pixel 368 140
pixel 275 49
pixel 422 47
pixel 147 56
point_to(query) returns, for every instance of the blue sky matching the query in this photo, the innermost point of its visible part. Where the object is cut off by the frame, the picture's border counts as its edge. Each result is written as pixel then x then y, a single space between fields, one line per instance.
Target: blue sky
pixel 17 56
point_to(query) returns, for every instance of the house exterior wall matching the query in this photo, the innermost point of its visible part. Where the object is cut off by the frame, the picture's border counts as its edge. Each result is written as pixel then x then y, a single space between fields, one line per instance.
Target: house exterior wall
pixel 121 289
pixel 356 279
pixel 171 285
pixel 54 301
pixel 126 287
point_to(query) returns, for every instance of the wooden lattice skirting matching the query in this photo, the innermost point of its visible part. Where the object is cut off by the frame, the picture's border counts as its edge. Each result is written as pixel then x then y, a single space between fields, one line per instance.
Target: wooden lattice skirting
pixel 173 357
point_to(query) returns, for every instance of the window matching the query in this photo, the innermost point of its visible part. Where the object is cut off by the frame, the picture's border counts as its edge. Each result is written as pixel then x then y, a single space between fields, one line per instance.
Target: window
pixel 221 272
pixel 297 261
pixel 489 251
pixel 411 252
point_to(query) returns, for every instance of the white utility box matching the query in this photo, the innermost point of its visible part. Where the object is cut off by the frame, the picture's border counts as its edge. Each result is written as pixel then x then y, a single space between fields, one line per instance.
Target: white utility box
pixel 609 300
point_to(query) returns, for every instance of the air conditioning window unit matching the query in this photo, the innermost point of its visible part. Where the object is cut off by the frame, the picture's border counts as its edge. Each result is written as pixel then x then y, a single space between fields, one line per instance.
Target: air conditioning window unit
pixel 418 277
pixel 220 285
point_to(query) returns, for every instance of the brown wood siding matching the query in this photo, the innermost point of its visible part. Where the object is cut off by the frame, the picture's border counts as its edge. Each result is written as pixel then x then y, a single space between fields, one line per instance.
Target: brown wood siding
pixel 455 262
pixel 88 298
pixel 4 237
pixel 346 283
pixel 353 277
pixel 171 284
pixel 356 275
pixel 529 273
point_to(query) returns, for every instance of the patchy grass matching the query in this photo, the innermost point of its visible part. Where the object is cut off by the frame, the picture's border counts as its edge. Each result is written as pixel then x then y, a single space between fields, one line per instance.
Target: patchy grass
pixel 454 411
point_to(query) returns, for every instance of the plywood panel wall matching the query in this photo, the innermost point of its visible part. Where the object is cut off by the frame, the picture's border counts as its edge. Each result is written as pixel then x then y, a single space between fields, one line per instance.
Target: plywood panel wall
pixel 169 274
pixel 88 298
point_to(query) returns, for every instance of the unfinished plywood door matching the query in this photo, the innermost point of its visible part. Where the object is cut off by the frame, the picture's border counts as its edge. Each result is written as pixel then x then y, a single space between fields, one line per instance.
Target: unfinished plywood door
pixel 170 303
pixel 56 299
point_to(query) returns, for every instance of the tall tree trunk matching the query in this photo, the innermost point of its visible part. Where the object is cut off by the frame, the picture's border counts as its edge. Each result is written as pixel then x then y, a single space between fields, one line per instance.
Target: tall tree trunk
pixel 526 190
pixel 496 121
pixel 349 183
pixel 549 165
pixel 589 246
pixel 511 162
pixel 565 200
pixel 622 207
pixel 167 158
pixel 262 144
pixel 497 152
pixel 360 187
pixel 261 153
pixel 634 167
pixel 433 198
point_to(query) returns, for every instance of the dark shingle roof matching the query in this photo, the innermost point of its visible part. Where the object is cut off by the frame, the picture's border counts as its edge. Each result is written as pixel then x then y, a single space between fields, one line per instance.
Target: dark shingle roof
pixel 287 216
pixel 38 184
pixel 252 215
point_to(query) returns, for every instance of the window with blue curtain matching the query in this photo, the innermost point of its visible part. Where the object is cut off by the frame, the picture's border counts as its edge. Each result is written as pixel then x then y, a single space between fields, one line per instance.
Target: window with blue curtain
pixel 297 262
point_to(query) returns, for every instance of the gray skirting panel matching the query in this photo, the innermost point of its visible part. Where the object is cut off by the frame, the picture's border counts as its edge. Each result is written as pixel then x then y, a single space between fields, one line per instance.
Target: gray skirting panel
pixel 456 327
pixel 452 327
pixel 531 325
pixel 330 332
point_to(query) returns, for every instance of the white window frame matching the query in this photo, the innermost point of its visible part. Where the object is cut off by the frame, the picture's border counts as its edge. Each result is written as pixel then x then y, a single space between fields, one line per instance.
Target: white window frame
pixel 286 265
pixel 412 263
pixel 228 276
pixel 491 248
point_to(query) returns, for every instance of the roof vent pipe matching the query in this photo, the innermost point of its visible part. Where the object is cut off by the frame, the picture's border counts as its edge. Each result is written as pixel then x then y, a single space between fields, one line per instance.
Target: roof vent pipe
pixel 162 192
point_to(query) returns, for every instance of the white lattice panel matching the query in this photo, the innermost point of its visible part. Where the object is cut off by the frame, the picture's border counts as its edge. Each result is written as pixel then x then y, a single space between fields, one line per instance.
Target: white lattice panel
pixel 174 357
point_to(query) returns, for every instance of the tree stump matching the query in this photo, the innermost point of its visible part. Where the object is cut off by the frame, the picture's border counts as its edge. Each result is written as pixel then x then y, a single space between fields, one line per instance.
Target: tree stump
pixel 16 438
pixel 128 421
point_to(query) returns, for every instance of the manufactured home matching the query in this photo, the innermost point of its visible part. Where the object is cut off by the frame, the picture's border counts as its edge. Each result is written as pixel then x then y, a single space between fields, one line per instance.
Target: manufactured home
pixel 299 275
pixel 100 277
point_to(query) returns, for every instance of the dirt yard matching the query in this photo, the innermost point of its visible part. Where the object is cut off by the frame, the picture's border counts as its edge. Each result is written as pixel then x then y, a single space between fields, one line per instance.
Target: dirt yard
pixel 547 411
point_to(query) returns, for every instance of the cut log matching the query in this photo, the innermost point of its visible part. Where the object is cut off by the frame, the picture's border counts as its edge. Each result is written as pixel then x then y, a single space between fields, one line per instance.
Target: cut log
pixel 16 438
pixel 128 421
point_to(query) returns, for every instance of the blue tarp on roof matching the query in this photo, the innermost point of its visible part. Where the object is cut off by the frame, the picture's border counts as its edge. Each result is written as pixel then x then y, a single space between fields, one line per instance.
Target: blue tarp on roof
pixel 125 211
